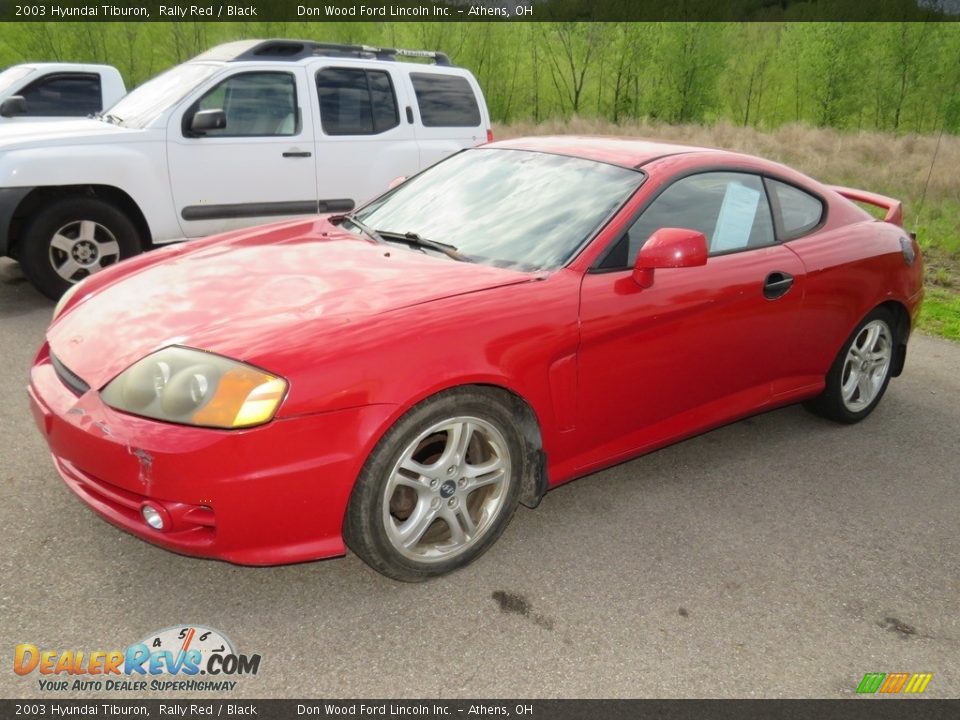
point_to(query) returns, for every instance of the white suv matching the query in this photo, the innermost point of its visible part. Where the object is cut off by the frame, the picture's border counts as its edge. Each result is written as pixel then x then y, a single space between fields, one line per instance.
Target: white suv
pixel 245 133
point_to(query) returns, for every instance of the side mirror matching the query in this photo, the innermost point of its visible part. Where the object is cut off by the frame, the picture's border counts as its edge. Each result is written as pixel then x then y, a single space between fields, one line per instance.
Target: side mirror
pixel 13 105
pixel 397 181
pixel 204 120
pixel 669 248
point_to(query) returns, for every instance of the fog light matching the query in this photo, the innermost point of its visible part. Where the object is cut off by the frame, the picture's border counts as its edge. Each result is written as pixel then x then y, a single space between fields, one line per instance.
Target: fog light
pixel 152 517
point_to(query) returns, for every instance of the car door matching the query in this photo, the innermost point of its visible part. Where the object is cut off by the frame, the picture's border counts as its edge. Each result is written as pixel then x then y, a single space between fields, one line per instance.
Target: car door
pixel 61 94
pixel 364 140
pixel 449 114
pixel 259 167
pixel 703 344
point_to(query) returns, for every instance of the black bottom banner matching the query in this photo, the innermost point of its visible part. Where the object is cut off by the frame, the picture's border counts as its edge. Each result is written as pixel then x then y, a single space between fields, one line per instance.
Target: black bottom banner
pixel 859 709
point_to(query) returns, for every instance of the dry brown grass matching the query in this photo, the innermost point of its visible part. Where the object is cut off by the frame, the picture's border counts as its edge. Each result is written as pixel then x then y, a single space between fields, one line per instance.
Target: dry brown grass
pixel 881 162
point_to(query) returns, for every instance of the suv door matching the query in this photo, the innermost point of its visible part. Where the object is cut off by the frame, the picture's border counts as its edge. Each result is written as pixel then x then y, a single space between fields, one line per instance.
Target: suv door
pixel 363 139
pixel 259 167
pixel 450 114
pixel 703 344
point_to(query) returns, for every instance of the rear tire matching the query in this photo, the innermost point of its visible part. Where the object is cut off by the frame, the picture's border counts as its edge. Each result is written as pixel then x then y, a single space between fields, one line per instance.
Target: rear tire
pixel 861 371
pixel 72 238
pixel 439 488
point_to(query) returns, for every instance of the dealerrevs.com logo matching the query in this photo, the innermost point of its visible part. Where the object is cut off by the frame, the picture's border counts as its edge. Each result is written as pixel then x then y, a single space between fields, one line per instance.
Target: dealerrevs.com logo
pixel 189 658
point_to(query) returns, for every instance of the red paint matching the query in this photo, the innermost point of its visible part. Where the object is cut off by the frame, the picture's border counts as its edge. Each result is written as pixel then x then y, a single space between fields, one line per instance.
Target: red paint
pixel 610 369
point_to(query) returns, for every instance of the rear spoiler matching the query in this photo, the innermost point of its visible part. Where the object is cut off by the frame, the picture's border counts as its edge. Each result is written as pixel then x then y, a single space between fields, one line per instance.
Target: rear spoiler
pixel 893 207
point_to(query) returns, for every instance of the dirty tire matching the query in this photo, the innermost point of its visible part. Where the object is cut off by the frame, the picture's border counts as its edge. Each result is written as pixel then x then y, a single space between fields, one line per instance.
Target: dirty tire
pixel 861 372
pixel 439 487
pixel 72 238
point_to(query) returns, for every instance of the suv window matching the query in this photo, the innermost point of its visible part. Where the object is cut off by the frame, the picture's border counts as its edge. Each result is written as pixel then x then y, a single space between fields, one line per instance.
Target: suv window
pixel 445 100
pixel 799 211
pixel 256 104
pixel 73 94
pixel 731 209
pixel 354 101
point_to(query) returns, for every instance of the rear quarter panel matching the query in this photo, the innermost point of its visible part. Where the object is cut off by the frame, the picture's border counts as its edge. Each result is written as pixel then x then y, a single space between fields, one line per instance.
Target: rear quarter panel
pixel 851 269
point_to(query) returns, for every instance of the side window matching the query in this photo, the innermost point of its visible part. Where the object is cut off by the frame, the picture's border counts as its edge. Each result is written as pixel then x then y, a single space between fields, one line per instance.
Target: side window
pixel 256 104
pixel 73 94
pixel 354 101
pixel 731 209
pixel 800 212
pixel 445 100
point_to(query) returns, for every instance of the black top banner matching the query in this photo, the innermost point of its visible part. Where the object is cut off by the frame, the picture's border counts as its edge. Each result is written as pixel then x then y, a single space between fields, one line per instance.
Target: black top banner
pixel 197 709
pixel 488 10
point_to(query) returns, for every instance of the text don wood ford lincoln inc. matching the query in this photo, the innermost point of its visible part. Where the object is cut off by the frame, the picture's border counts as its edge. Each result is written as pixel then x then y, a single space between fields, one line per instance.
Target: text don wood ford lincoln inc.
pixel 187 658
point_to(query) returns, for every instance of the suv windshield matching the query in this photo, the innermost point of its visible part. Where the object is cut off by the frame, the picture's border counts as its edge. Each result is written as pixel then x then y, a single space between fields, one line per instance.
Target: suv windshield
pixel 144 104
pixel 9 76
pixel 510 208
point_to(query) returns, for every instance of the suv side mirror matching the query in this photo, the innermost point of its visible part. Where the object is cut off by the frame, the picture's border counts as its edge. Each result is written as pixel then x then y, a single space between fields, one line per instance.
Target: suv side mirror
pixel 669 248
pixel 204 120
pixel 13 105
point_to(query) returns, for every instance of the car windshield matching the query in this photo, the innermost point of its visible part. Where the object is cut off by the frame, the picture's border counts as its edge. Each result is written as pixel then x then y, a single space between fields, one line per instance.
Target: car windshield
pixel 144 104
pixel 509 208
pixel 9 76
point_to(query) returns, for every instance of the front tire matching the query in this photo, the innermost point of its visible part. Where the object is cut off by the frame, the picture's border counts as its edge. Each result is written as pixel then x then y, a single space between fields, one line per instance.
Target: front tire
pixel 861 371
pixel 439 488
pixel 73 238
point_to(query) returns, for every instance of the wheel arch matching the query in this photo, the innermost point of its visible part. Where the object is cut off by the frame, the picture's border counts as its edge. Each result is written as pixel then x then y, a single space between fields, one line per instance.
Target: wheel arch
pixel 535 480
pixel 901 329
pixel 40 197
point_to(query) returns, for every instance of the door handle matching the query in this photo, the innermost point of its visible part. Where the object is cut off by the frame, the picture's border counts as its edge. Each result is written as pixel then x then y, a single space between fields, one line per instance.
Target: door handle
pixel 297 153
pixel 777 284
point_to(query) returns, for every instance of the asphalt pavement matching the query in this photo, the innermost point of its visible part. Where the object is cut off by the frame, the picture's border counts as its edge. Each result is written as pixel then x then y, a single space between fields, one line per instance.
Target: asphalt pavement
pixel 782 556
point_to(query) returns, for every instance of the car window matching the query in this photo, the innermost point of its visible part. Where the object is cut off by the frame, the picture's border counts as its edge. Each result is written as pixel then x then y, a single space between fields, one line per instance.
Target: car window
pixel 445 100
pixel 256 104
pixel 66 94
pixel 508 208
pixel 799 211
pixel 354 101
pixel 730 209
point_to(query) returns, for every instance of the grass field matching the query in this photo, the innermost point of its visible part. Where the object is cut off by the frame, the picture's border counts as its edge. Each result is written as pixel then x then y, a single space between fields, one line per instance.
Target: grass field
pixel 894 165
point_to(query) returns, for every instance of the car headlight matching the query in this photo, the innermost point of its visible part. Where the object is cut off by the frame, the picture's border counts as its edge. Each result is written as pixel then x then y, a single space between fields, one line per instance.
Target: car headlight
pixel 193 387
pixel 64 299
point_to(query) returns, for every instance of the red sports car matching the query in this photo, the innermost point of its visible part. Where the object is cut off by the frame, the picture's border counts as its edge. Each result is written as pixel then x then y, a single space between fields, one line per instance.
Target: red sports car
pixel 398 379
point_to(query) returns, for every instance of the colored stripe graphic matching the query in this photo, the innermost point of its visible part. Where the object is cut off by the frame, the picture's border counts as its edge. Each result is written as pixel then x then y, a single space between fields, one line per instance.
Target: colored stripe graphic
pixel 918 683
pixel 871 682
pixel 892 683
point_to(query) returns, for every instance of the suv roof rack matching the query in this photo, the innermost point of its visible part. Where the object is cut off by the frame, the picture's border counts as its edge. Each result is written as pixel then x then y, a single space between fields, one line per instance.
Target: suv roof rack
pixel 299 49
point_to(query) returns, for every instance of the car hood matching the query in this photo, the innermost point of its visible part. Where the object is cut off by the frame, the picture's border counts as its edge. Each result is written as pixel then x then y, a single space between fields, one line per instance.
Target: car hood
pixel 247 296
pixel 16 135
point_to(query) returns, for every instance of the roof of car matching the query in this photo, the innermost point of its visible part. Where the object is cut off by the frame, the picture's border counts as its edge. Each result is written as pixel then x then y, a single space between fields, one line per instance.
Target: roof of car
pixel 626 152
pixel 300 50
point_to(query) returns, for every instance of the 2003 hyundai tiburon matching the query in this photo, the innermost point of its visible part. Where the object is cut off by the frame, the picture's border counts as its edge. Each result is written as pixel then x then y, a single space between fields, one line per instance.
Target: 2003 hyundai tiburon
pixel 399 379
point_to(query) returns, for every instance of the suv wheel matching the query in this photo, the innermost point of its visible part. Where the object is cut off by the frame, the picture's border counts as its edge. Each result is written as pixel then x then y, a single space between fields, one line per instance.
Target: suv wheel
pixel 73 238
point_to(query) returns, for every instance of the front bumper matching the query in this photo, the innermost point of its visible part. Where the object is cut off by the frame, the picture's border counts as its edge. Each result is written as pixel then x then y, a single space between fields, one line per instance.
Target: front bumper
pixel 268 495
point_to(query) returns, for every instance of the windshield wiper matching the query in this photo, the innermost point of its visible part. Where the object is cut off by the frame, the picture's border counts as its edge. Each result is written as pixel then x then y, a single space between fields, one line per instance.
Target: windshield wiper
pixel 415 240
pixel 368 231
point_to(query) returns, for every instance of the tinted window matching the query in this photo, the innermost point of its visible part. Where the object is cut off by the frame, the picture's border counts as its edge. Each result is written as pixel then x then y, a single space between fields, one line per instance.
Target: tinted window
pixel 256 104
pixel 354 101
pixel 799 211
pixel 731 209
pixel 66 94
pixel 445 100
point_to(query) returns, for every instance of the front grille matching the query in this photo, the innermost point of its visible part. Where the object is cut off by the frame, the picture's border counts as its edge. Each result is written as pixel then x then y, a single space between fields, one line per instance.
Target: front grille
pixel 68 377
